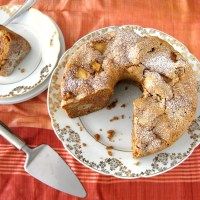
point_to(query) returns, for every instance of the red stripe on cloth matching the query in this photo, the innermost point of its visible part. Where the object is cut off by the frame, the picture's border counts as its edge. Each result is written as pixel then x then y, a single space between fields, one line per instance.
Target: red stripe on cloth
pixel 96 191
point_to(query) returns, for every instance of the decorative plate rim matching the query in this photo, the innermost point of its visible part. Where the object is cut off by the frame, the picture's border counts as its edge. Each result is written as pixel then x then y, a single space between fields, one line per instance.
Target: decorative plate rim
pixel 47 68
pixel 147 173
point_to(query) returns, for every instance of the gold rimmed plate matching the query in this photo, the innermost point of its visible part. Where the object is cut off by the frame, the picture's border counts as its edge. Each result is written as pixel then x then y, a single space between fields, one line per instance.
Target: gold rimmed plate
pixel 78 135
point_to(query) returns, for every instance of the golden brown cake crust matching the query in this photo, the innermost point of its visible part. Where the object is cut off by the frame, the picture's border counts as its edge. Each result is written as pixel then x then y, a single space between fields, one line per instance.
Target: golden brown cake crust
pixel 169 99
pixel 13 48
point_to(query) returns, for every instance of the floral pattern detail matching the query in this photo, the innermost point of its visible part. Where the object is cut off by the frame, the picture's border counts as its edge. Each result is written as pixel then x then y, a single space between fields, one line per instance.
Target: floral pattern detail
pixel 23 89
pixel 72 139
pixel 161 161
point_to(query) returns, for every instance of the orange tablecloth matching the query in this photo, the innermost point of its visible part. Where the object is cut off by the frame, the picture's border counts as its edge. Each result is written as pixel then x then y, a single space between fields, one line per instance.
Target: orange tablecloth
pixel 30 119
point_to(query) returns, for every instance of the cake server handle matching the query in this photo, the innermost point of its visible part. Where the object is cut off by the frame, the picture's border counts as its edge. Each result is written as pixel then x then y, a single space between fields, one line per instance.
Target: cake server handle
pixel 28 4
pixel 10 137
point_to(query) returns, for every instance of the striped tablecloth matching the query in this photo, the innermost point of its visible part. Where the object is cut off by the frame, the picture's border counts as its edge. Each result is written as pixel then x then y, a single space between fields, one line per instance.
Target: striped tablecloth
pixel 30 119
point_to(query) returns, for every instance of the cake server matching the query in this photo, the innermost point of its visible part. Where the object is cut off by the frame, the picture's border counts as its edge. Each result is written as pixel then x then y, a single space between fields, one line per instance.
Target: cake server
pixel 44 164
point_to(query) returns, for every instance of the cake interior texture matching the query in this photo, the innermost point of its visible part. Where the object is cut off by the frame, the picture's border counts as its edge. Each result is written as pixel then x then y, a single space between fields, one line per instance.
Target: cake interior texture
pixel 13 49
pixel 169 100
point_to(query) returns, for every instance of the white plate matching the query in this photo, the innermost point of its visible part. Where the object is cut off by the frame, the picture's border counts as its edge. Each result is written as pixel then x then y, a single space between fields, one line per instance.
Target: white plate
pixel 40 88
pixel 73 133
pixel 43 37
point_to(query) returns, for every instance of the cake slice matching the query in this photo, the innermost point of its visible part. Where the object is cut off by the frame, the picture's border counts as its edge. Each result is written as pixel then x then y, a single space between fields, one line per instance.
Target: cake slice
pixel 13 49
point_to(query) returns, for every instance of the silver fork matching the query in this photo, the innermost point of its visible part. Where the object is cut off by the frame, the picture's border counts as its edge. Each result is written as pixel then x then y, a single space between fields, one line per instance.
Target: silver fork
pixel 27 5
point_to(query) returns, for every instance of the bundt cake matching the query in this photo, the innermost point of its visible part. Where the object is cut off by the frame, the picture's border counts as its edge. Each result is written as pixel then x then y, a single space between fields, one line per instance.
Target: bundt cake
pixel 169 86
pixel 13 48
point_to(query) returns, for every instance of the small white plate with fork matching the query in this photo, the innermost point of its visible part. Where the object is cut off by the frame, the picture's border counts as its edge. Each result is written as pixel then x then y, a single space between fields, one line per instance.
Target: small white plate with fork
pixel 40 88
pixel 42 34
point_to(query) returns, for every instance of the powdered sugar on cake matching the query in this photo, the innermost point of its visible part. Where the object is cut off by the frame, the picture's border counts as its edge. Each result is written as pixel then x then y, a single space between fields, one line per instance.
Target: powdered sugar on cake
pixel 169 87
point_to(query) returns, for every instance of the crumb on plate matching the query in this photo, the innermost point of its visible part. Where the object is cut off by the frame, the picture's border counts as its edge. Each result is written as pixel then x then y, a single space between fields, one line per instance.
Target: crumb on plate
pixel 84 144
pixel 137 163
pixel 114 118
pixel 112 104
pixel 110 134
pixel 22 70
pixel 123 105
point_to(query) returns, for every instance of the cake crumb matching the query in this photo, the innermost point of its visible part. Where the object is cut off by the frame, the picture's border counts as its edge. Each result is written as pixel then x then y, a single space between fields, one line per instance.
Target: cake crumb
pixel 84 144
pixel 114 118
pixel 117 118
pixel 137 163
pixel 97 137
pixel 110 134
pixel 109 150
pixel 22 70
pixel 123 105
pixel 112 104
pixel 110 153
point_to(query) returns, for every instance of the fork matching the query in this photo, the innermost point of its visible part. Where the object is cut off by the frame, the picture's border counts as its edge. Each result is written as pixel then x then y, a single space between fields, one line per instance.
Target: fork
pixel 27 5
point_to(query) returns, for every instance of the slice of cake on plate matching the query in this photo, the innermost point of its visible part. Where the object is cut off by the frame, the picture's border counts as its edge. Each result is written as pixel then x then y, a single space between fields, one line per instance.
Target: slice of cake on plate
pixel 13 49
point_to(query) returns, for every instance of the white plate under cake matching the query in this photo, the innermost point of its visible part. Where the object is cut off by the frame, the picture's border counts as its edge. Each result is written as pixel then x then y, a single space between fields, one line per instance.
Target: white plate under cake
pixel 79 134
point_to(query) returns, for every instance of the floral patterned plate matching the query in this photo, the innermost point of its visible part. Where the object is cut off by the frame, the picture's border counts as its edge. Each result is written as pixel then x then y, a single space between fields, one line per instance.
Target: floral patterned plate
pixel 79 135
pixel 42 34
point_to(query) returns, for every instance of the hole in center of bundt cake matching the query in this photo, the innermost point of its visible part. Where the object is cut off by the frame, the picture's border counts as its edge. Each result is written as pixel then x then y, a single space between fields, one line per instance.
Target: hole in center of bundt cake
pixel 116 116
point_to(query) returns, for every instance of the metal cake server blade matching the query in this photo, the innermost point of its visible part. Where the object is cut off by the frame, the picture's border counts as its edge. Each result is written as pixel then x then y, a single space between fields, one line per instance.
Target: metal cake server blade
pixel 44 164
